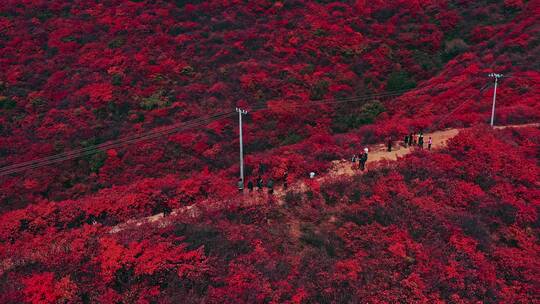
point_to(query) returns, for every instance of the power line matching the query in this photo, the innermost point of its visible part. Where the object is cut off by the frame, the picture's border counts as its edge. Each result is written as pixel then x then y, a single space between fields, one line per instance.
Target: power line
pixel 114 142
pixel 439 121
pixel 264 105
pixel 36 163
pixel 70 155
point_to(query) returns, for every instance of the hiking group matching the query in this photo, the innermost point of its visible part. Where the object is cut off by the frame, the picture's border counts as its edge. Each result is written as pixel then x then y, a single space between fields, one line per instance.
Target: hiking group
pixel 413 139
pixel 358 162
pixel 361 159
pixel 259 183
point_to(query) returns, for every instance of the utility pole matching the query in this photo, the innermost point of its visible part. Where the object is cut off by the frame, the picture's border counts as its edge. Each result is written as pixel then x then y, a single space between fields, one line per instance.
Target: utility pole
pixel 240 112
pixel 496 76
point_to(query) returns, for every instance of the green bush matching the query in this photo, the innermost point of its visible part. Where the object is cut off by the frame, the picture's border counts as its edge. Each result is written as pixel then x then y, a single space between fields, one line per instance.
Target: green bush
pixel 7 103
pixel 292 197
pixel 291 138
pixel 97 161
pixel 187 70
pixel 116 79
pixel 319 90
pixel 154 101
pixel 348 119
pixel 453 48
pixel 176 30
pixel 320 32
pixel 116 42
pixel 400 80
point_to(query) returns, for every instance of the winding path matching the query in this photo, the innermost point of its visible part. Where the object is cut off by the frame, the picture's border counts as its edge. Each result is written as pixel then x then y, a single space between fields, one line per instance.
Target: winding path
pixel 339 167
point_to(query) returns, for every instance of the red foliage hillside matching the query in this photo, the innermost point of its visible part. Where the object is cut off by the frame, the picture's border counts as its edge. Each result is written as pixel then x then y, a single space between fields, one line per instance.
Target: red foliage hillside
pixel 79 73
pixel 320 79
pixel 431 227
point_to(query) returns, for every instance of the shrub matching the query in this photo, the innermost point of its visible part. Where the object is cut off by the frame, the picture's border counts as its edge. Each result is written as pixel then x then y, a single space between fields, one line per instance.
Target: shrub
pixel 320 32
pixel 116 79
pixel 345 120
pixel 187 70
pixel 116 43
pixel 293 197
pixel 7 103
pixel 319 90
pixel 291 138
pixel 453 48
pixel 154 101
pixel 334 190
pixel 399 80
pixel 97 161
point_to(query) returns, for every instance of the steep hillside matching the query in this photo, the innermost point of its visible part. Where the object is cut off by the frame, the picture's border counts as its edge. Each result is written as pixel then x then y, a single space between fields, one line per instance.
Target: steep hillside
pixel 458 225
pixel 321 80
pixel 81 73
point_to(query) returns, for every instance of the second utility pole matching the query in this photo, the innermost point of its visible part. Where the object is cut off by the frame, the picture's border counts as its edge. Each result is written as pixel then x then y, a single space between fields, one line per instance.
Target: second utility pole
pixel 496 76
pixel 240 112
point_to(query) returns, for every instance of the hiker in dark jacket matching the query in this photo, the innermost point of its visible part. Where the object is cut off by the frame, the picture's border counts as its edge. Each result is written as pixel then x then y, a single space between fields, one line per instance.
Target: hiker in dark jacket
pixel 240 185
pixel 389 145
pixel 363 159
pixel 250 186
pixel 270 186
pixel 259 183
pixel 406 140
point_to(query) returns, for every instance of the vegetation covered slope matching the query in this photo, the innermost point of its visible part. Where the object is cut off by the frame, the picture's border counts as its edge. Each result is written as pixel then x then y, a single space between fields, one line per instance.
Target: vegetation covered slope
pixel 79 73
pixel 458 225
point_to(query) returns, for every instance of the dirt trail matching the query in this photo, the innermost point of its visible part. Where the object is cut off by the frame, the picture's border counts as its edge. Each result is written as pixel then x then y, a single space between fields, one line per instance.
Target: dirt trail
pixel 339 167
pixel 379 152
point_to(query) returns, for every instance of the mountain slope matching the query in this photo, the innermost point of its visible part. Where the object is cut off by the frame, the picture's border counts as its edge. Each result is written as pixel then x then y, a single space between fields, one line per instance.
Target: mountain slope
pixel 79 74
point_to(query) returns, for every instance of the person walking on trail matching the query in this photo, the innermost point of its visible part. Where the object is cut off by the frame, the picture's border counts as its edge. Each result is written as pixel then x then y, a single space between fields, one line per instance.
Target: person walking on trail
pixel 415 139
pixel 363 159
pixel 262 168
pixel 421 141
pixel 250 186
pixel 430 141
pixel 259 183
pixel 411 138
pixel 270 186
pixel 406 140
pixel 362 163
pixel 240 185
pixel 389 145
